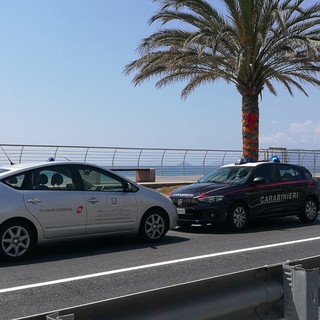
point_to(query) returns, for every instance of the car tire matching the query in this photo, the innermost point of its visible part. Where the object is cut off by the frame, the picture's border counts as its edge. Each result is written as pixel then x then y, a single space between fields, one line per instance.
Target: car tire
pixel 153 226
pixel 309 211
pixel 238 217
pixel 16 240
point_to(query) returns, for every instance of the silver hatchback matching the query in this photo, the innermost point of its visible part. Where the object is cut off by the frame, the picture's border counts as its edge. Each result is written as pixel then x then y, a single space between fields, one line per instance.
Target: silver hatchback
pixel 58 201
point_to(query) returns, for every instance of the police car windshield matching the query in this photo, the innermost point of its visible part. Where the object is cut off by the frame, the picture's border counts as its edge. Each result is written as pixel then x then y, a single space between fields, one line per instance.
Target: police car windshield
pixel 232 174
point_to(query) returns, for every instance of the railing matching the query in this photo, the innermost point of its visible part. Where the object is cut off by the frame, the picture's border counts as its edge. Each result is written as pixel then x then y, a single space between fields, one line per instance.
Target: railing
pixel 167 162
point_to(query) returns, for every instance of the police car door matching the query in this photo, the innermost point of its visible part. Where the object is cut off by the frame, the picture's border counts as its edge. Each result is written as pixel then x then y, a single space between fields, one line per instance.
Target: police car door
pixel 264 191
pixel 110 206
pixel 51 196
pixel 291 188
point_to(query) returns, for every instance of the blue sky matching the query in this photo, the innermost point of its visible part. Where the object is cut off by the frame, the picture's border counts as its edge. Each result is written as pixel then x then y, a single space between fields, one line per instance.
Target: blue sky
pixel 62 83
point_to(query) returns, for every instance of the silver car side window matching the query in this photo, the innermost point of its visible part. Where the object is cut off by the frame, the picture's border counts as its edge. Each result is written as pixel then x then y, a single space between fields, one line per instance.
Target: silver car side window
pixel 15 181
pixel 52 178
pixel 95 180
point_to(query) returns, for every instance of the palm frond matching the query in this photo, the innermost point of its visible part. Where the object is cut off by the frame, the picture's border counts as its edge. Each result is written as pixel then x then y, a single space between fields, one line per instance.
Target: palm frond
pixel 258 42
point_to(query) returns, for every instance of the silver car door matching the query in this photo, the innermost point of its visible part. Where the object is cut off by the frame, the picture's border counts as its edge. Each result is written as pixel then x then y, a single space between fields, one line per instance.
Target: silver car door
pixel 56 203
pixel 110 211
pixel 110 207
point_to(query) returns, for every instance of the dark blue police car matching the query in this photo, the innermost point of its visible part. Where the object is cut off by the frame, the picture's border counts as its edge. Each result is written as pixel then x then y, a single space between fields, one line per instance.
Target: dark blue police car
pixel 243 191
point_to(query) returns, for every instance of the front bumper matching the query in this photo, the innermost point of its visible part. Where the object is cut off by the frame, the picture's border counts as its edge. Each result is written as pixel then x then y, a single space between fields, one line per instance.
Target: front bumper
pixel 202 215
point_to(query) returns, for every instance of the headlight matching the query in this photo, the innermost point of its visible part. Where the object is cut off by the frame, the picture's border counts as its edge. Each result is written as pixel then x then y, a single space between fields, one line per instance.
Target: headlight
pixel 211 199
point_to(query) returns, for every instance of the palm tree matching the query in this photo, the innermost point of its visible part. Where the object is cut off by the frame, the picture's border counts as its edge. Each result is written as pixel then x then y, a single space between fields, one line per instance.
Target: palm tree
pixel 257 43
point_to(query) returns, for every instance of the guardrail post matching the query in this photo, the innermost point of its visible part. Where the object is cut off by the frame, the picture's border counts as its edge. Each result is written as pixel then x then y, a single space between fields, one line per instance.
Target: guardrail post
pixel 300 293
pixel 270 280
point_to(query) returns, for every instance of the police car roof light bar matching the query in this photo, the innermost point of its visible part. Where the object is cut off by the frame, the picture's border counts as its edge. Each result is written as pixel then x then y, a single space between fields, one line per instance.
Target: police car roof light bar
pixel 243 160
pixel 275 159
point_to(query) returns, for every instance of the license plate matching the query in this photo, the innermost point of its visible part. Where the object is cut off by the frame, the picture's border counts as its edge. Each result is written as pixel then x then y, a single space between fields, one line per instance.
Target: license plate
pixel 181 211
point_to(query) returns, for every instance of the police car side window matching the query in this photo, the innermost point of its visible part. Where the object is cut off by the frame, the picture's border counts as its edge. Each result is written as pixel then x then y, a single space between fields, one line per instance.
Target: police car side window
pixel 265 172
pixel 288 173
pixel 307 174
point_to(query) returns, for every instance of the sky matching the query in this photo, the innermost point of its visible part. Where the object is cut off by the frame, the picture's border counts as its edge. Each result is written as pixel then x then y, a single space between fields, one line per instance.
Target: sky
pixel 62 83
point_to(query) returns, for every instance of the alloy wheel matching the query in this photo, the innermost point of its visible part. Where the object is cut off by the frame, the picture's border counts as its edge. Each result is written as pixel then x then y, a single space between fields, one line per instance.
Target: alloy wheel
pixel 15 241
pixel 154 226
pixel 310 210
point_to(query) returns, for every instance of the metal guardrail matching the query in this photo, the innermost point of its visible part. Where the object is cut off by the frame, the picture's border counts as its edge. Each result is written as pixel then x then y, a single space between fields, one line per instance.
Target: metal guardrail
pixel 167 162
pixel 284 291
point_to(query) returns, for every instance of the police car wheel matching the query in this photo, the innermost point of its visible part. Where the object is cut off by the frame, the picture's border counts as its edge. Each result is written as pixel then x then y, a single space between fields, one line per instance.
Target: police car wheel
pixel 238 217
pixel 17 240
pixel 309 211
pixel 154 226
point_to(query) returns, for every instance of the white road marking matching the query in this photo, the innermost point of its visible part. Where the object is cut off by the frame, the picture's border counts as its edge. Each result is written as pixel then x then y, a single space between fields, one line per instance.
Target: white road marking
pixel 153 265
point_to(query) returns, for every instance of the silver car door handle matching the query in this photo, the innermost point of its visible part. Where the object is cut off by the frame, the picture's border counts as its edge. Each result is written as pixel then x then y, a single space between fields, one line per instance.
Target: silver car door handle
pixel 34 200
pixel 93 200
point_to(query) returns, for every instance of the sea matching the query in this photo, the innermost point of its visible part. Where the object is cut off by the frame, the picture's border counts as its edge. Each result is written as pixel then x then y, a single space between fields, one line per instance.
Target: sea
pixel 170 171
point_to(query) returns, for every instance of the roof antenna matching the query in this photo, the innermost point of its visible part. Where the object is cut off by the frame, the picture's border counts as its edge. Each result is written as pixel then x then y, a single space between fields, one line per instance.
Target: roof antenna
pixel 7 156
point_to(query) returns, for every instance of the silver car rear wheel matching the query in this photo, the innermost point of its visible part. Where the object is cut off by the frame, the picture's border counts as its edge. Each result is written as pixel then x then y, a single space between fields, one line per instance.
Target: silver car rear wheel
pixel 16 240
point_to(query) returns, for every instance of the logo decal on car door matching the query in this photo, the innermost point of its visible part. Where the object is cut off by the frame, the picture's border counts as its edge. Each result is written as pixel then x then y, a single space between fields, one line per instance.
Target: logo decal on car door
pixel 114 200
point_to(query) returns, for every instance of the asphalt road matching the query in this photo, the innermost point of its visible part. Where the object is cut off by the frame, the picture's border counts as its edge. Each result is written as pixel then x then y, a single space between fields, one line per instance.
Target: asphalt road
pixel 66 275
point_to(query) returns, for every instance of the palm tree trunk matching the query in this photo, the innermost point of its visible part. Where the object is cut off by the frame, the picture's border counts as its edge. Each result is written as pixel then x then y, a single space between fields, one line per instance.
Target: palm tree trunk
pixel 250 126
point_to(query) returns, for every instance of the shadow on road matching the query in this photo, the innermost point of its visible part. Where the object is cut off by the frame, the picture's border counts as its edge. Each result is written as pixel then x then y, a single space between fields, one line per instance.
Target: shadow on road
pixel 113 244
pixel 92 247
pixel 257 226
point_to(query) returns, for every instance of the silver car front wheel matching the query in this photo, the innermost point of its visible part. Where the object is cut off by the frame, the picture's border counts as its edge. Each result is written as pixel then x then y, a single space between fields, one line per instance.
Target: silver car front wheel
pixel 153 226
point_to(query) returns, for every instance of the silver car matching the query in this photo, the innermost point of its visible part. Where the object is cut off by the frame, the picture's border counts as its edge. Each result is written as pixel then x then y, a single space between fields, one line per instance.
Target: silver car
pixel 58 201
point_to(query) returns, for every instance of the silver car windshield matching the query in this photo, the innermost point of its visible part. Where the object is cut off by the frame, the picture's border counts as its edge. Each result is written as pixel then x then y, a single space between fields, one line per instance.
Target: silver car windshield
pixel 234 174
